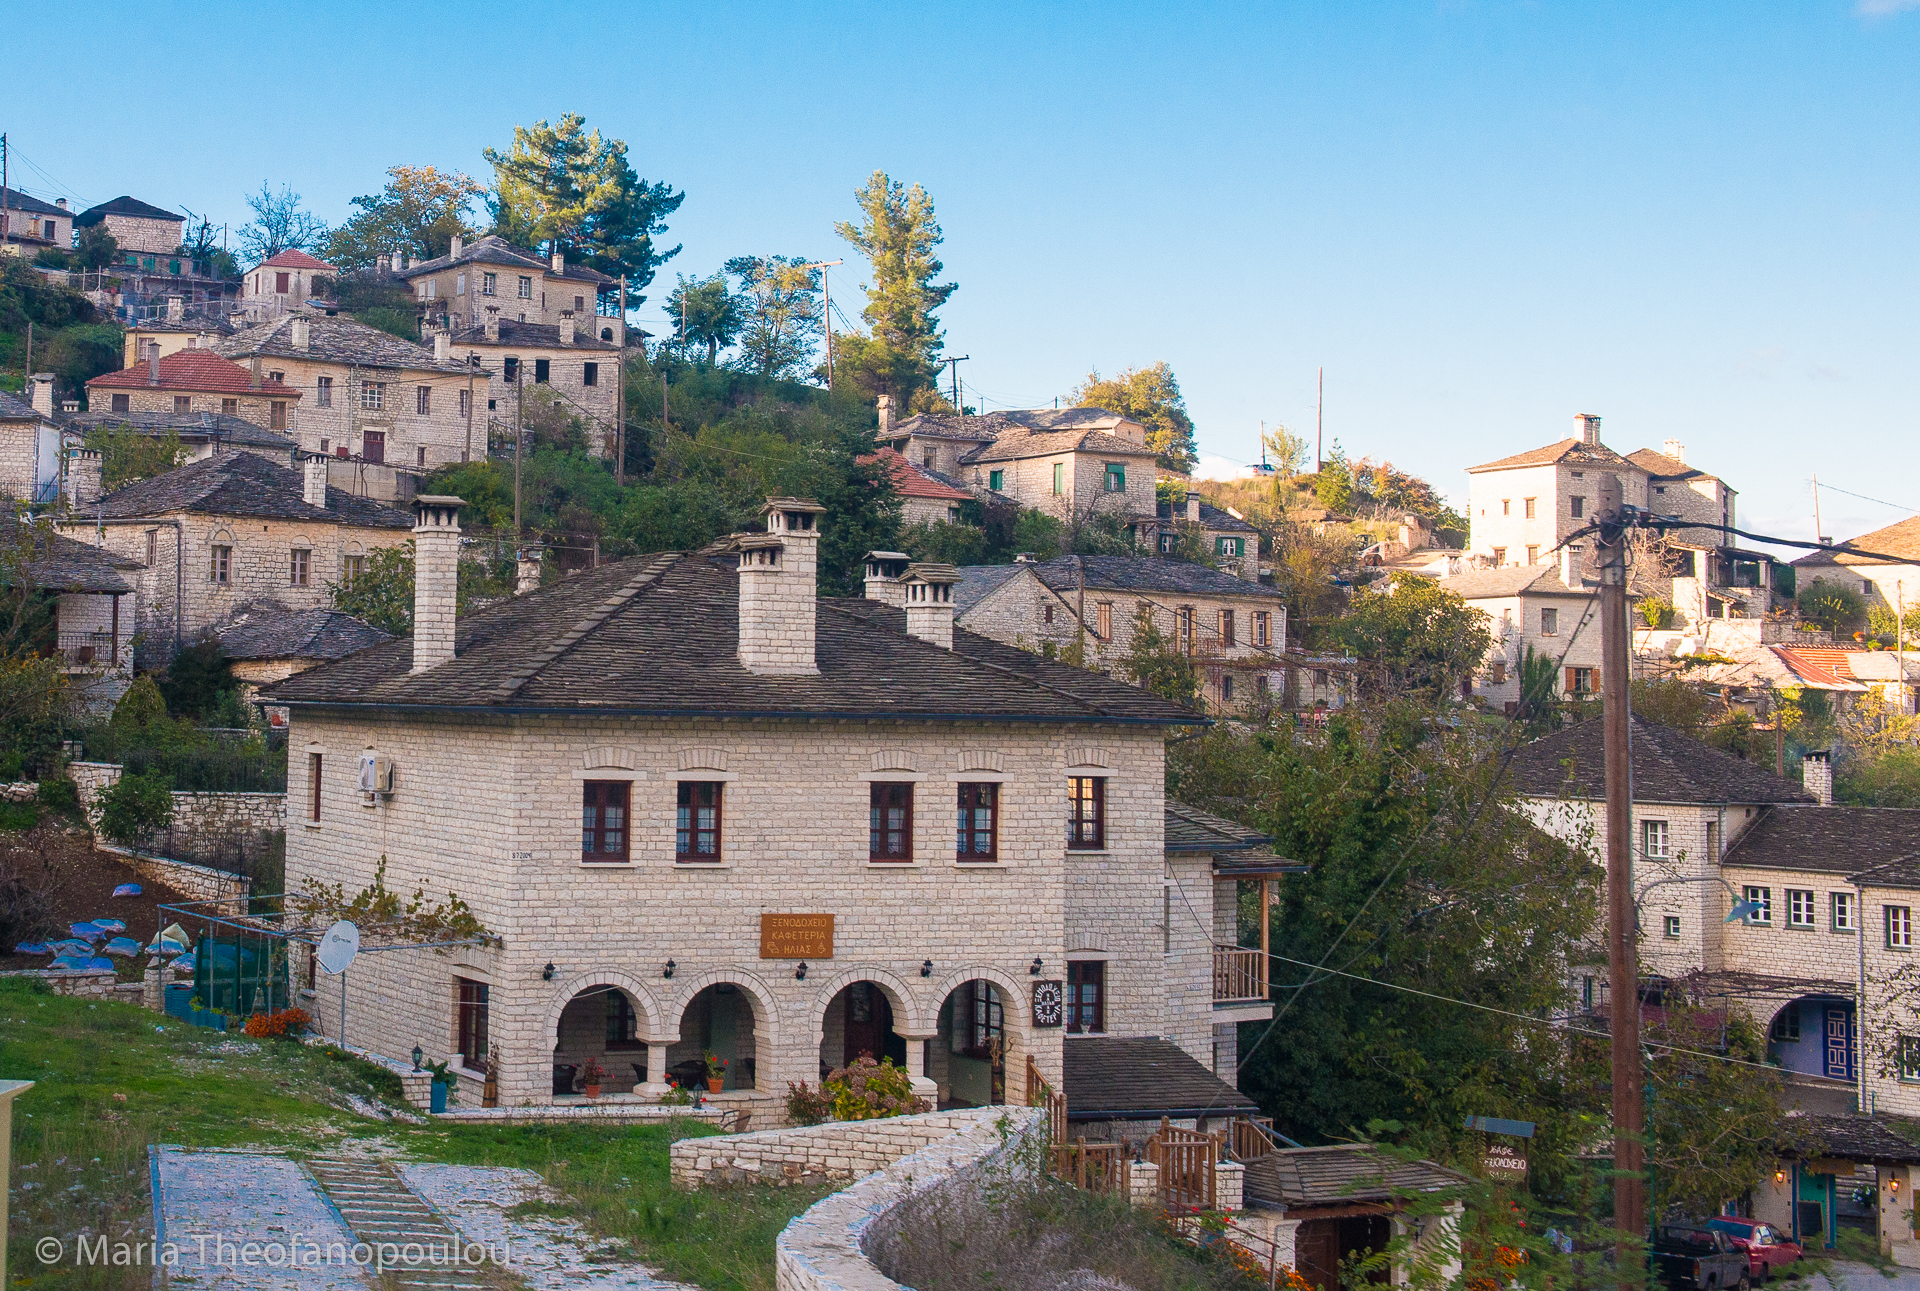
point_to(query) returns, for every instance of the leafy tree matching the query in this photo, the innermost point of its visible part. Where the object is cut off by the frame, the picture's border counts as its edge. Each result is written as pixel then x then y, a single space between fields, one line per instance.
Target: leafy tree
pixel 127 455
pixel 141 718
pixel 1423 638
pixel 1889 780
pixel 673 517
pixel 1286 451
pixel 1150 396
pixel 279 225
pixel 1670 701
pixel 1539 692
pixel 382 592
pixel 420 211
pixel 197 679
pixel 51 258
pixel 136 808
pixel 1157 664
pixel 84 351
pixel 1889 629
pixel 95 248
pixel 898 234
pixel 705 312
pixel 1834 606
pixel 573 191
pixel 1334 484
pixel 779 297
pixel 27 296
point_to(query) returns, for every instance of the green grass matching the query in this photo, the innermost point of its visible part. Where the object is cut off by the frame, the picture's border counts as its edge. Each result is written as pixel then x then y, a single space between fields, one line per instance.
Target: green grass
pixel 113 1078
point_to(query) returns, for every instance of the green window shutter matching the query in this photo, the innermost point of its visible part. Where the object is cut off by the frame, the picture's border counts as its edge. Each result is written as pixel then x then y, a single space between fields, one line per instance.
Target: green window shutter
pixel 996 480
pixel 1059 478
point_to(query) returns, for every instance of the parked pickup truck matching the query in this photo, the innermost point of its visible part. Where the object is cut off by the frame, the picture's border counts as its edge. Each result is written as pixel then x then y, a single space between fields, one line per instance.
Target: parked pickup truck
pixel 1695 1258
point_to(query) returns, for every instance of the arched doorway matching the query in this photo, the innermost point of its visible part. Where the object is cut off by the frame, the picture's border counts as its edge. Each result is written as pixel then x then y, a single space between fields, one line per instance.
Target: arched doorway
pixel 1816 1035
pixel 722 1019
pixel 859 1020
pixel 969 1058
pixel 601 1023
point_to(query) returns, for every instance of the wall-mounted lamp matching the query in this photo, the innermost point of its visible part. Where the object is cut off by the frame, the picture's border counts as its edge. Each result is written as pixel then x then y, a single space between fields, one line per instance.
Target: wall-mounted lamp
pixel 1893 1186
pixel 800 973
pixel 417 1056
pixel 1033 969
pixel 668 970
pixel 546 974
pixel 926 968
pixel 1779 1176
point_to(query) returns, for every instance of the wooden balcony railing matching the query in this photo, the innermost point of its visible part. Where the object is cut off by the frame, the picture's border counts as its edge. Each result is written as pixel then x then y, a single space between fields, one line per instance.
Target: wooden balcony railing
pixel 1239 974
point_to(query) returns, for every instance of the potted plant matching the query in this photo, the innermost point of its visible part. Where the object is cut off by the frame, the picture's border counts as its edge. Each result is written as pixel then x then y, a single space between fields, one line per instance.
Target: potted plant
pixel 716 1072
pixel 443 1083
pixel 591 1076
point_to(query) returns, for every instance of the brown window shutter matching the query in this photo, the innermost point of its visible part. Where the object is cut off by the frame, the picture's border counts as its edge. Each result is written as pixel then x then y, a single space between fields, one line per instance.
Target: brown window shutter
pixel 1570 679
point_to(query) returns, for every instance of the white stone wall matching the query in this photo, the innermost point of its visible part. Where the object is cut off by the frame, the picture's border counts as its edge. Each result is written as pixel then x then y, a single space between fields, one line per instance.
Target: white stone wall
pixel 1892 1005
pixel 838 1150
pixel 442 431
pixel 551 295
pixel 151 237
pixel 566 378
pixel 1515 623
pixel 489 809
pixel 1553 487
pixel 253 406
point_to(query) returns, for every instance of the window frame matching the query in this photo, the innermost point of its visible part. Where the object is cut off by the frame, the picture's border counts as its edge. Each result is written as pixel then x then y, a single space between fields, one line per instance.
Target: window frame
pixel 1262 628
pixel 122 403
pixel 526 287
pixel 300 567
pixel 1899 926
pixel 1670 924
pixel 623 1023
pixel 1059 479
pixel 1648 829
pixel 316 769
pixel 423 401
pixel 373 395
pixel 323 392
pixel 1842 913
pixel 1086 807
pixel 1576 505
pixel 1229 628
pixel 220 564
pixel 1531 508
pixel 1763 897
pixel 182 405
pixel 231 407
pixel 1088 975
pixel 1115 477
pixel 687 831
pixel 595 795
pixel 470 1020
pixel 969 798
pixel 590 374
pixel 1549 621
pixel 997 481
pixel 489 284
pixel 277 414
pixel 1908 1056
pixel 1103 620
pixel 886 796
pixel 1802 909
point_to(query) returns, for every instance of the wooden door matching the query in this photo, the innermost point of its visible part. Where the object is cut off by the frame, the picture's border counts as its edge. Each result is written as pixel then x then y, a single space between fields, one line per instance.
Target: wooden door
pixel 1316 1253
pixel 373 446
pixel 1839 1043
pixel 869 1023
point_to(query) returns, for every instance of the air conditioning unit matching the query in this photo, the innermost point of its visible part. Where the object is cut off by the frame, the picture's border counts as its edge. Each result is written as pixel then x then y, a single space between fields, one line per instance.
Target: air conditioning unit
pixel 376 774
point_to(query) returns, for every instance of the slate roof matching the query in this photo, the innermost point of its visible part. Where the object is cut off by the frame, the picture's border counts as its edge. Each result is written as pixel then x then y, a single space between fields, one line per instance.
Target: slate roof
pixel 1138 1077
pixel 1667 766
pixel 991 425
pixel 544 335
pixel 1903 873
pixel 659 634
pixel 194 369
pixel 1901 538
pixel 977 582
pixel 243 484
pixel 1850 1138
pixel 493 249
pixel 273 633
pixel 132 207
pixel 1191 830
pixel 913 482
pixel 28 204
pixel 1839 840
pixel 1565 450
pixel 293 259
pixel 14 408
pixel 1148 574
pixel 1511 580
pixel 1662 467
pixel 190 325
pixel 1341 1174
pixel 62 564
pixel 334 339
pixel 1211 516
pixel 1018 441
pixel 192 427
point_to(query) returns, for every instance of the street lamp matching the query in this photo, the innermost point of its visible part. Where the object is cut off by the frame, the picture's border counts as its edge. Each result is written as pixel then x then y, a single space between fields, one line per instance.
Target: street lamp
pixel 1742 908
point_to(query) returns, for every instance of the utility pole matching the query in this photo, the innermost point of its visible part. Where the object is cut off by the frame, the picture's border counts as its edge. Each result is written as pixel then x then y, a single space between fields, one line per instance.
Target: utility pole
pixel 466 454
pixel 620 395
pixel 1623 1013
pixel 1319 421
pixel 826 309
pixel 953 367
pixel 519 433
pixel 1818 537
pixel 6 200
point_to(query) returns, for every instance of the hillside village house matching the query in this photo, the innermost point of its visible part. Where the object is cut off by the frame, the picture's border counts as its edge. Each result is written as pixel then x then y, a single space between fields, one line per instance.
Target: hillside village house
pixel 1889 579
pixel 701 809
pixel 201 434
pixel 1546 609
pixel 30 226
pixel 93 610
pixel 366 394
pixel 154 266
pixel 175 329
pixel 193 381
pixel 925 497
pixel 556 361
pixel 228 534
pixel 30 444
pixel 280 283
pixel 526 287
pixel 1232 543
pixel 1235 630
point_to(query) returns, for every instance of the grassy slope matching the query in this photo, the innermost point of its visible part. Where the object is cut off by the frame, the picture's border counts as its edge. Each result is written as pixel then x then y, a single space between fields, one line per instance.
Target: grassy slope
pixel 113 1078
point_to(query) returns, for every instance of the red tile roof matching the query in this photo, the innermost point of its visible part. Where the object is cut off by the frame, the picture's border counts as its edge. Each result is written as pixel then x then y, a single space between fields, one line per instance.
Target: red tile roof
pixel 1821 665
pixel 293 260
pixel 912 482
pixel 196 370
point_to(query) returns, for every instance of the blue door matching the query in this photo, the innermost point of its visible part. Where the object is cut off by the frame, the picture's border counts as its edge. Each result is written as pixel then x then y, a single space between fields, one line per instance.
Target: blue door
pixel 1839 1042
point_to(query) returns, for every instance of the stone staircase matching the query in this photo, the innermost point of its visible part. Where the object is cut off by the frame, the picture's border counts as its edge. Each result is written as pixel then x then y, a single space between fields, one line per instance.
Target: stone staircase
pixel 383 1212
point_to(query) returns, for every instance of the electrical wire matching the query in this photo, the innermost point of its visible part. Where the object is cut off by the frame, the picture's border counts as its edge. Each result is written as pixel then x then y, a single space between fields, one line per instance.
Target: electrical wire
pixel 1834 488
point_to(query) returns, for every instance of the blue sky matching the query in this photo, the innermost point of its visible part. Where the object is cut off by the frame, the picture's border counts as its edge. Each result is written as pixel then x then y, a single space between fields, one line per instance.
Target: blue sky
pixel 1481 216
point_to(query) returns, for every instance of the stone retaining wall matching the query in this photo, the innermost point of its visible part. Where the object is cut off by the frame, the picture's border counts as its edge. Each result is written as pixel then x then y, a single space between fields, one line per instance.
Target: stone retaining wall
pixel 194 882
pixel 824 1249
pixel 203 822
pixel 815 1153
pixel 90 985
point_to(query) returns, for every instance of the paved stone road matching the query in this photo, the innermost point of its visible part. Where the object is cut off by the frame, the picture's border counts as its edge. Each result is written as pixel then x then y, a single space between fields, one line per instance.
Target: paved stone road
pixel 213 1204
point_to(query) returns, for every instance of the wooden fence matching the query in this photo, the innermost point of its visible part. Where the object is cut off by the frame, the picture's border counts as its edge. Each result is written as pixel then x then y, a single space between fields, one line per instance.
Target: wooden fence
pixel 1186 1159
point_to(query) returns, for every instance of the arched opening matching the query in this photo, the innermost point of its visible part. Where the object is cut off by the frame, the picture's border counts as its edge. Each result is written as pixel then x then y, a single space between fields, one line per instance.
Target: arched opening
pixel 601 1023
pixel 968 1061
pixel 859 1020
pixel 1816 1035
pixel 720 1020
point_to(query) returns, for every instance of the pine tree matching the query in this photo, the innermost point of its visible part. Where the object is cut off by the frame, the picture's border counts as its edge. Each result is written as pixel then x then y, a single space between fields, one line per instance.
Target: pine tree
pixel 898 236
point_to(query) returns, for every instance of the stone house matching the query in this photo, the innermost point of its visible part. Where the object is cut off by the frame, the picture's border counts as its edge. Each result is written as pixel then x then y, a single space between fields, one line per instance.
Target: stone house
pixel 700 809
pixel 136 225
pixel 202 434
pixel 281 283
pixel 1233 543
pixel 1324 1206
pixel 30 444
pixel 267 642
pixel 176 329
pixel 1534 607
pixel 30 225
pixel 1889 579
pixel 366 394
pixel 193 381
pixel 559 361
pixel 94 612
pixel 229 532
pixel 455 290
pixel 1236 630
pixel 925 498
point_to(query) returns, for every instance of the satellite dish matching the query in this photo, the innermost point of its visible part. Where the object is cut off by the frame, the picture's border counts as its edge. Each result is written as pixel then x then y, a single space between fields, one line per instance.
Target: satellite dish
pixel 338 947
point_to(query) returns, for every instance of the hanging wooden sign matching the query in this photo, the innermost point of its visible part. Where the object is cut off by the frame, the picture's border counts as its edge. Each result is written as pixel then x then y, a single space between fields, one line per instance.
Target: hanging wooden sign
pixel 796 936
pixel 1505 1163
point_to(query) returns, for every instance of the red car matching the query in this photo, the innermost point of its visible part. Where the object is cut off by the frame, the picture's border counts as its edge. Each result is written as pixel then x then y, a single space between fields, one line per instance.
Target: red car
pixel 1766 1247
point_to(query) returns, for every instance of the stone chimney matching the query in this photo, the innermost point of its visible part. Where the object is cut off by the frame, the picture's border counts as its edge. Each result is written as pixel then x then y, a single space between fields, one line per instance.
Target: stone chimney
pixel 443 346
pixel 1675 449
pixel 436 577
pixel 313 482
pixel 1588 430
pixel 526 569
pixel 1816 774
pixel 458 248
pixel 1025 558
pixel 777 589
pixel 1570 565
pixel 493 322
pixel 559 262
pixel 176 309
pixel 43 394
pixel 83 476
pixel 60 202
pixel 153 364
pixel 302 336
pixel 886 415
pixel 884 569
pixel 253 372
pixel 566 327
pixel 929 589
pixel 1193 508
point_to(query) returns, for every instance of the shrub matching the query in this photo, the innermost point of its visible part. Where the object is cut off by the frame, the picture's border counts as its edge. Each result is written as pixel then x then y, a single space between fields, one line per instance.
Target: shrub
pixel 60 796
pixel 1657 611
pixel 807 1106
pixel 285 1024
pixel 868 1090
pixel 136 808
pixel 26 905
pixel 1834 607
pixel 20 816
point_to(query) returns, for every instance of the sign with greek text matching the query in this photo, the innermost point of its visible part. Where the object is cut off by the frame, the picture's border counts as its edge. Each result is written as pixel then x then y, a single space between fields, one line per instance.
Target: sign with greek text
pixel 796 936
pixel 1506 1164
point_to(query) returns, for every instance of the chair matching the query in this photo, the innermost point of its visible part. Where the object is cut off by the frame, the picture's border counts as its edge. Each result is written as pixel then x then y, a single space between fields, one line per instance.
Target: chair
pixel 639 1072
pixel 564 1074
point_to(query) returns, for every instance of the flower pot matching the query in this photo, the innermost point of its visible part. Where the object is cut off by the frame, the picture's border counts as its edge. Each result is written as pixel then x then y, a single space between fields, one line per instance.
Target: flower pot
pixel 438 1096
pixel 714 1083
pixel 593 1091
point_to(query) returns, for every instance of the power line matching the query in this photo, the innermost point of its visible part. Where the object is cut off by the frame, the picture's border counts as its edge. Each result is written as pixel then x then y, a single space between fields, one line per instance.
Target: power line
pixel 1831 488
